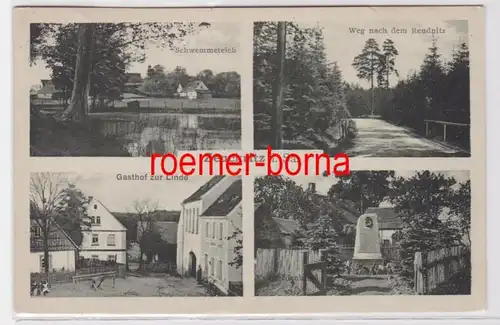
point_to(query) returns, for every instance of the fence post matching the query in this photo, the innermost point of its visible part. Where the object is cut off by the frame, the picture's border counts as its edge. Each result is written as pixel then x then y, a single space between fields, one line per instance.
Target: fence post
pixel 323 272
pixel 305 259
pixel 444 132
pixel 417 273
pixel 426 129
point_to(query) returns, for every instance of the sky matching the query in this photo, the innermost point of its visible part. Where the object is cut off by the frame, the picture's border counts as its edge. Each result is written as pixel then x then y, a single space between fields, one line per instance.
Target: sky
pixel 119 195
pixel 323 184
pixel 342 45
pixel 219 35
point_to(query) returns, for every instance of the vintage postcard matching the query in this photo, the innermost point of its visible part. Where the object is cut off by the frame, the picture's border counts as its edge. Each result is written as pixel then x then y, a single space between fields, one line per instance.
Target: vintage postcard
pixel 96 233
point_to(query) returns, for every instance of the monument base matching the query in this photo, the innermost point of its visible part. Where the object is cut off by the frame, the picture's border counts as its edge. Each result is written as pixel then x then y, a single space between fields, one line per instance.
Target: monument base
pixel 368 259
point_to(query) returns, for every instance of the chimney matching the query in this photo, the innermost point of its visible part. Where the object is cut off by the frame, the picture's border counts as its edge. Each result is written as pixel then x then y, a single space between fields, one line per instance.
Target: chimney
pixel 312 187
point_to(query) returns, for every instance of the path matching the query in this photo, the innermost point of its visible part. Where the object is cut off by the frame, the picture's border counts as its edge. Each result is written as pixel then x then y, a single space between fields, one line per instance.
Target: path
pixel 369 285
pixel 150 286
pixel 378 138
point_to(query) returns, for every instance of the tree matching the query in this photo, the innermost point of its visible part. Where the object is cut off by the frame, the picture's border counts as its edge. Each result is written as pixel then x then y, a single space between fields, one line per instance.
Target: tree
pixel 237 236
pixel 313 91
pixel 460 208
pixel 387 64
pixel 72 213
pixel 134 38
pixel 432 74
pixel 420 201
pixel 145 211
pixel 46 195
pixel 284 197
pixel 367 65
pixel 365 188
pixel 322 236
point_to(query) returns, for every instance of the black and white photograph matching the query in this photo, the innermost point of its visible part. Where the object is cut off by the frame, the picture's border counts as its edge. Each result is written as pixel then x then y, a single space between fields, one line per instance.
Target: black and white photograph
pixel 95 235
pixel 370 233
pixel 131 89
pixel 384 88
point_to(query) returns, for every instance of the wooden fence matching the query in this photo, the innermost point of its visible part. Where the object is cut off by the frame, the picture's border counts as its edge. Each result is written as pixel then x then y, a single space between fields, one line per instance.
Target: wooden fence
pixel 67 276
pixel 292 265
pixel 436 267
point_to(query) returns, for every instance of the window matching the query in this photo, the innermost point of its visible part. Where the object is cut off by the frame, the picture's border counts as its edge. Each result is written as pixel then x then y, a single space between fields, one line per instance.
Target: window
pixel 111 240
pixel 95 239
pixel 98 220
pixel 36 231
pixel 95 206
pixel 213 229
pixel 221 230
pixel 95 257
pixel 219 270
pixel 196 221
pixel 92 220
pixel 207 229
pixel 112 258
pixel 212 266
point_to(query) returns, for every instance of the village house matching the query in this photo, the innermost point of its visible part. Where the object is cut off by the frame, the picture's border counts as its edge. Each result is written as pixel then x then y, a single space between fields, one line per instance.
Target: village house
pixel 106 239
pixel 192 249
pixel 221 221
pixel 164 223
pixel 62 250
pixel 273 232
pixel 388 224
pixel 194 90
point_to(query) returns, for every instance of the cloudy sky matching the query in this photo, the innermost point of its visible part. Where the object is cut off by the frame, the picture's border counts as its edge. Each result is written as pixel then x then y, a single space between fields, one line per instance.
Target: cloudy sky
pixel 342 45
pixel 219 35
pixel 119 196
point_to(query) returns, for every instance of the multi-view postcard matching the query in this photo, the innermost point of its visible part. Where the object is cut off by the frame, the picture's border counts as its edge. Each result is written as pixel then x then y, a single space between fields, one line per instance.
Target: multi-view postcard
pixel 398 91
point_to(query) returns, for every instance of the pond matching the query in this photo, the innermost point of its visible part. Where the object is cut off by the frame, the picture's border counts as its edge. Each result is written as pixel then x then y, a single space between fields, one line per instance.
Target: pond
pixel 147 133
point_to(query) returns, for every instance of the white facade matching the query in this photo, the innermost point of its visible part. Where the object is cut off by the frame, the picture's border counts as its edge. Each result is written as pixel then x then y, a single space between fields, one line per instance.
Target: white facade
pixel 58 260
pixel 189 236
pixel 217 251
pixel 107 237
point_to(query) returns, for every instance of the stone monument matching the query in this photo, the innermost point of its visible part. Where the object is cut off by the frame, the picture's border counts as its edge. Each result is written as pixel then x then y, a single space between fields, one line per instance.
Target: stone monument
pixel 367 243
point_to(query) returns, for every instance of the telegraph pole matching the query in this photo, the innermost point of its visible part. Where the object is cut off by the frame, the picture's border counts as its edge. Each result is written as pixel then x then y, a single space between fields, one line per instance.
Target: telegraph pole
pixel 277 117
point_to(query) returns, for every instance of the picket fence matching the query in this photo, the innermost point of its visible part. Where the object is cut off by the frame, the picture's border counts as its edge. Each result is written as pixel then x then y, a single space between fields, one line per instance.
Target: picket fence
pixel 436 267
pixel 288 265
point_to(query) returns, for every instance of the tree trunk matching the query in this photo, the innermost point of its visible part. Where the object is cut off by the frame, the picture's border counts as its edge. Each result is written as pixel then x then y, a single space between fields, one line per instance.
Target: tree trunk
pixel 46 250
pixel 371 84
pixel 277 117
pixel 78 105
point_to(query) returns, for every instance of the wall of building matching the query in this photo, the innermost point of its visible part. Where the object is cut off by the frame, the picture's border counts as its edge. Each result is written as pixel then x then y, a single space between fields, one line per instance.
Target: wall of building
pixel 60 259
pixel 189 238
pixel 120 256
pixel 103 231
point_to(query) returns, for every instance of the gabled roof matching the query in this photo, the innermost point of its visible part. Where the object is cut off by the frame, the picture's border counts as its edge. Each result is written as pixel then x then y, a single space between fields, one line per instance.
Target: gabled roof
pixel 203 189
pixel 111 213
pixel 227 201
pixel 193 86
pixel 387 218
pixel 286 226
pixel 58 239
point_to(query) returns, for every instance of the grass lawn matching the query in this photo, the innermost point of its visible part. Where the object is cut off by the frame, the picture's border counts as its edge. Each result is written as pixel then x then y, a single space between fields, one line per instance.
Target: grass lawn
pixel 151 286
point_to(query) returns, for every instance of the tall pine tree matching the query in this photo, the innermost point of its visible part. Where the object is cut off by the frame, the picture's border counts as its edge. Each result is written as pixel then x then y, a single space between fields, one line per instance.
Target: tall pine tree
pixel 387 63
